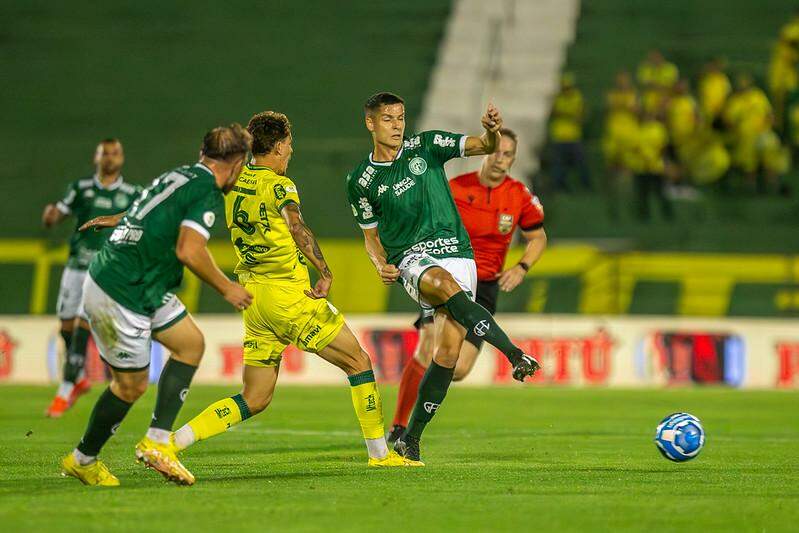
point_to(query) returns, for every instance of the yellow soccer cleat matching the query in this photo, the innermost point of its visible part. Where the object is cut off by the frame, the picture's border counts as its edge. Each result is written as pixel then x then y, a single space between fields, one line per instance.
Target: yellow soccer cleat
pixel 95 474
pixel 393 459
pixel 163 458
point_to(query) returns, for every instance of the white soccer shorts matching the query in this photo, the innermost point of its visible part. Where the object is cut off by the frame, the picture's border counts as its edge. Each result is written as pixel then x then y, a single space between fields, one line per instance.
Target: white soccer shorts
pixel 413 266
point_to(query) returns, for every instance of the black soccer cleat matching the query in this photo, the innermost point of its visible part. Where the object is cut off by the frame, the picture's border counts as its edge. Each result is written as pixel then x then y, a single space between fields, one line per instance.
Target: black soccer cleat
pixel 527 366
pixel 408 447
pixel 395 433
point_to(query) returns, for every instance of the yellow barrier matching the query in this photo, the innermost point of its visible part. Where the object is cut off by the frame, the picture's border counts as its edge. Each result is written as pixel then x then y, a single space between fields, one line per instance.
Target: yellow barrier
pixel 607 279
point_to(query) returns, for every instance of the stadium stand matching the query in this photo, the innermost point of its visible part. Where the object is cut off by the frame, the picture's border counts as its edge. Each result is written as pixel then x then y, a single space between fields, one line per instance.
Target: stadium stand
pixel 451 62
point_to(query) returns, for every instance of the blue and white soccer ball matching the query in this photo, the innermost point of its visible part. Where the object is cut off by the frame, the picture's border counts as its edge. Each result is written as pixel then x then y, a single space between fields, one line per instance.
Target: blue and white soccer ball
pixel 680 437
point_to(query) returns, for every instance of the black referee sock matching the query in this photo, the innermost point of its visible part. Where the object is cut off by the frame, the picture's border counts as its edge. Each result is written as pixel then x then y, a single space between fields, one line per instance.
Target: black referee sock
pixel 432 391
pixel 173 386
pixel 108 413
pixel 476 319
pixel 76 355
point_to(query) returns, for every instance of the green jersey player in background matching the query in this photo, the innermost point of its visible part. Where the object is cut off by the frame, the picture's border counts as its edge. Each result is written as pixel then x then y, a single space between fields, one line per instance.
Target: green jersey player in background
pixel 412 230
pixel 104 193
pixel 128 300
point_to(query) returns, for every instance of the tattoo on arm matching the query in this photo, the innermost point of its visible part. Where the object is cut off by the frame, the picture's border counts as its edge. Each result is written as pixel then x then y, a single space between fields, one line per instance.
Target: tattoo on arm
pixel 305 239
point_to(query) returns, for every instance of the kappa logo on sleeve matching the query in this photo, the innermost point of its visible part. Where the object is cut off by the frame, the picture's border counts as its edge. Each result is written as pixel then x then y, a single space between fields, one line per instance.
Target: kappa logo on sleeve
pixel 443 142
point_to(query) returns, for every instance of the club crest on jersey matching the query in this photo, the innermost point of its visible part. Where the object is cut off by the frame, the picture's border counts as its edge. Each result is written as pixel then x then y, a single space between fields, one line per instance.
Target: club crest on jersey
pixel 280 191
pixel 505 224
pixel 120 200
pixel 417 166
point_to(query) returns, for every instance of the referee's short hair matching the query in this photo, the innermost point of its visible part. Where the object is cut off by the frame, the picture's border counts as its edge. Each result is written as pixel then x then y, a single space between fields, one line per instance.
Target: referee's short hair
pixel 507 132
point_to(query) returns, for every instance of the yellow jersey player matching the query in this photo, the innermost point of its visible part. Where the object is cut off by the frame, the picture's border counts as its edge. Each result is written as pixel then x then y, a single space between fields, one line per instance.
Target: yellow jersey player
pixel 272 243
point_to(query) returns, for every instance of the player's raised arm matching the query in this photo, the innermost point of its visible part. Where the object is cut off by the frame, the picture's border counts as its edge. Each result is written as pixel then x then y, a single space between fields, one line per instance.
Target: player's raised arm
pixel 377 254
pixel 307 244
pixel 488 142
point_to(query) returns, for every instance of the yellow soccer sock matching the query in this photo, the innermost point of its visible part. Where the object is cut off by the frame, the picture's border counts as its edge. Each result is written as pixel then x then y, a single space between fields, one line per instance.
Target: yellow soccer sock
pixel 369 409
pixel 216 419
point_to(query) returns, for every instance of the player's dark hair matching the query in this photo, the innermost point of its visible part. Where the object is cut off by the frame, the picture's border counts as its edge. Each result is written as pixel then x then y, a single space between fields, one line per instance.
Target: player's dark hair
pixel 267 129
pixel 376 100
pixel 507 132
pixel 226 142
pixel 110 140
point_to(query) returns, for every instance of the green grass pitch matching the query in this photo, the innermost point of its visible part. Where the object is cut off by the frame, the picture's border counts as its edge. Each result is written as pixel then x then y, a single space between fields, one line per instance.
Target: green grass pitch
pixel 498 459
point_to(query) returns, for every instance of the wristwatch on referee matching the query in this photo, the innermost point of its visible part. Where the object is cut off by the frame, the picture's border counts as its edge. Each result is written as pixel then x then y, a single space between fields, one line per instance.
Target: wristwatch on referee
pixel 524 265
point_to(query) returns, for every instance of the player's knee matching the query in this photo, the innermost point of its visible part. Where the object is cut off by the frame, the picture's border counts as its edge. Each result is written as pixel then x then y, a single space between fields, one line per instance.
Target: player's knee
pixel 130 390
pixel 257 402
pixel 445 288
pixel 192 352
pixel 360 362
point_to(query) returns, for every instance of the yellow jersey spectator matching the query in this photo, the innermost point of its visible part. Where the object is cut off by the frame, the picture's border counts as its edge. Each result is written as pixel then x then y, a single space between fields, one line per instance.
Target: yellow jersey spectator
pixel 714 89
pixel 567 112
pixel 621 121
pixel 782 75
pixel 657 77
pixel 649 163
pixel 681 114
pixel 566 133
pixel 748 114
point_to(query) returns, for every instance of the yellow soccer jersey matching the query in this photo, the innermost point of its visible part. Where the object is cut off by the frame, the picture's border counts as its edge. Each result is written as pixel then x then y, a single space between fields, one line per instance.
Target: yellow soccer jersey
pixel 261 238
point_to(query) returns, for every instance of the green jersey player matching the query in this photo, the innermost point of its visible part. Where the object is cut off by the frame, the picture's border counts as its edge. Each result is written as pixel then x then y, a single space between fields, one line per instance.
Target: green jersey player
pixel 128 301
pixel 401 200
pixel 104 193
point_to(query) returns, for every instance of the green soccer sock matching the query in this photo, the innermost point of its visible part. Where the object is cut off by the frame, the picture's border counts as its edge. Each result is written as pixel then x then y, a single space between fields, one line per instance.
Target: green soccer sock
pixel 108 413
pixel 476 318
pixel 432 391
pixel 76 355
pixel 173 386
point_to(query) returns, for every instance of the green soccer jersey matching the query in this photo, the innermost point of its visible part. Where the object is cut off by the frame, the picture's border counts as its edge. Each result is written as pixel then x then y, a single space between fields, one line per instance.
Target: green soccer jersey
pixel 409 200
pixel 86 199
pixel 137 266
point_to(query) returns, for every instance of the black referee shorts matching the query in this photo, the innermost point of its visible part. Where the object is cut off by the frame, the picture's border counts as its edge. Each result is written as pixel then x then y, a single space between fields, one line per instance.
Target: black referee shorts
pixel 487 293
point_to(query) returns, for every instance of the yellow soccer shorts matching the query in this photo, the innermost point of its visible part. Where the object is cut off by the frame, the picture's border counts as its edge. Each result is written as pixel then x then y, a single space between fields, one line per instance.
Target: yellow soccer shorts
pixel 281 314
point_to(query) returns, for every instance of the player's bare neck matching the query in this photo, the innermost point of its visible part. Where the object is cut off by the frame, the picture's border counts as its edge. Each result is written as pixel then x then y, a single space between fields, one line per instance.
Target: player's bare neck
pixel 269 161
pixel 108 179
pixel 487 181
pixel 384 153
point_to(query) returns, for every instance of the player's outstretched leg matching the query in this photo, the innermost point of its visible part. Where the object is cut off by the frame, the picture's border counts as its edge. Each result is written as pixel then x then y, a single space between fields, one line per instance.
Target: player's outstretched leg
pixel 435 384
pixel 73 384
pixel 411 378
pixel 259 387
pixel 108 413
pixel 439 287
pixel 345 352
pixel 157 450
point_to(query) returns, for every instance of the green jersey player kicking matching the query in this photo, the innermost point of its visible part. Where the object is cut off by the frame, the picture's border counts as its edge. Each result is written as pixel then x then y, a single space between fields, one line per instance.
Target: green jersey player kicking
pixel 128 300
pixel 412 231
pixel 104 193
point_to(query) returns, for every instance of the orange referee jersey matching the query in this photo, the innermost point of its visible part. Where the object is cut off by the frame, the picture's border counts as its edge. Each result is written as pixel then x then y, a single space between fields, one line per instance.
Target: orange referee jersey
pixel 490 216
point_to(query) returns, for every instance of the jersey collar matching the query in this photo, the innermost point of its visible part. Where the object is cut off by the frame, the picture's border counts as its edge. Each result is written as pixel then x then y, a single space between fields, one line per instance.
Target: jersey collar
pixel 110 187
pixel 202 166
pixel 385 163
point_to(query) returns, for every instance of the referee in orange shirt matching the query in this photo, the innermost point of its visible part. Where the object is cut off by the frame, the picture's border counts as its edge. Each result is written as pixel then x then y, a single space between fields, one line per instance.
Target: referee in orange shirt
pixel 492 205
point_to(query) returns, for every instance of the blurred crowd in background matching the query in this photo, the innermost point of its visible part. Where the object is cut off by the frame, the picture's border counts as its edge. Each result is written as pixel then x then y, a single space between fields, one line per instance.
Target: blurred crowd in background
pixel 670 135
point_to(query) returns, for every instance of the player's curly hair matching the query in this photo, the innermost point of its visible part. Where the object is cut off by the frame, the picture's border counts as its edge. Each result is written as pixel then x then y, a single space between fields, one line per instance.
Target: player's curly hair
pixel 226 142
pixel 267 128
